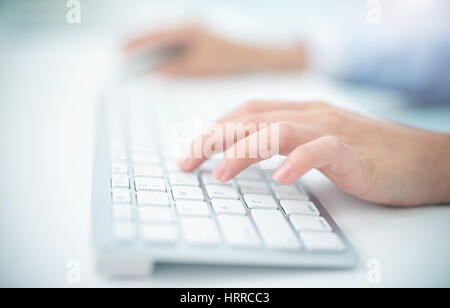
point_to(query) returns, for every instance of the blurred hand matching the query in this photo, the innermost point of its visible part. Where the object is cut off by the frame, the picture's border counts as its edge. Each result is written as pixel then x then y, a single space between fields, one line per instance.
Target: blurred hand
pixel 371 159
pixel 206 54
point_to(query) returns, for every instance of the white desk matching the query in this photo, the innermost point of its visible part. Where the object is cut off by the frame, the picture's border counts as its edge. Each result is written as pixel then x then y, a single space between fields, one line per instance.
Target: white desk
pixel 47 101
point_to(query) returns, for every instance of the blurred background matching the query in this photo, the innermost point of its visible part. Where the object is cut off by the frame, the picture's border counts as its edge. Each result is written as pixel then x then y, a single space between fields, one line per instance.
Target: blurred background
pixel 52 72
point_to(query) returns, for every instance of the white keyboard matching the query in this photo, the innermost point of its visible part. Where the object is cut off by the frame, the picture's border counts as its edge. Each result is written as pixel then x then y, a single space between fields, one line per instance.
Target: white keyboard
pixel 145 208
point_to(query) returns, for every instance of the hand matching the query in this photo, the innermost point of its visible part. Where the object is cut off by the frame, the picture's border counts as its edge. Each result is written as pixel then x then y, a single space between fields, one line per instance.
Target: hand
pixel 374 160
pixel 206 54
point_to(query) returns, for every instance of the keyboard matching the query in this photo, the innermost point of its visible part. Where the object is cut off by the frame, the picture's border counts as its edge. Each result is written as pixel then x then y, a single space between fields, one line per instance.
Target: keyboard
pixel 146 211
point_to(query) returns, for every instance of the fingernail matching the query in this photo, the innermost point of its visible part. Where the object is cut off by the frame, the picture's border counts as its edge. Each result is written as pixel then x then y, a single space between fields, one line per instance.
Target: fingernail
pixel 183 162
pixel 220 170
pixel 282 172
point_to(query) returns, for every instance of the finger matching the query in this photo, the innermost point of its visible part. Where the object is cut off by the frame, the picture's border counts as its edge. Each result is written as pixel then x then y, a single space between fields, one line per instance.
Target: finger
pixel 328 154
pixel 225 134
pixel 268 106
pixel 179 67
pixel 278 138
pixel 217 139
pixel 163 38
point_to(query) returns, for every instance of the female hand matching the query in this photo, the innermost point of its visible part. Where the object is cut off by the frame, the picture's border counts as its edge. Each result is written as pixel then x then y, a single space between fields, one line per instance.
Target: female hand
pixel 203 53
pixel 372 159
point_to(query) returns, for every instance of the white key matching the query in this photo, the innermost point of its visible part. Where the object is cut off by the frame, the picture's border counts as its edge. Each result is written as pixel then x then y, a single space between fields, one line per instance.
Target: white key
pixel 152 198
pixel 184 179
pixel 119 168
pixel 119 156
pixel 121 196
pixel 322 241
pixel 254 201
pixel 310 223
pixel 125 232
pixel 154 213
pixel 275 230
pixel 209 165
pixel 150 184
pixel 209 178
pixel 269 173
pixel 187 193
pixel 148 170
pixel 146 148
pixel 299 207
pixel 122 212
pixel 159 233
pixel 146 158
pixel 228 207
pixel 192 208
pixel 253 187
pixel 120 181
pixel 172 166
pixel 288 192
pixel 249 174
pixel 238 231
pixel 221 192
pixel 199 231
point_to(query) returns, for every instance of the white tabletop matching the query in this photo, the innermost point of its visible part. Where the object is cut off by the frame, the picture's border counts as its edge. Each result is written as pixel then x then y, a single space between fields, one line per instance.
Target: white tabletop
pixel 47 123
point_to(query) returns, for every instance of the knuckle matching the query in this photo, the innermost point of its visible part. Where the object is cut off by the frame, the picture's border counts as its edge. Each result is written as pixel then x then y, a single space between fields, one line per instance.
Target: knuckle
pixel 251 106
pixel 249 118
pixel 285 130
pixel 332 142
pixel 330 117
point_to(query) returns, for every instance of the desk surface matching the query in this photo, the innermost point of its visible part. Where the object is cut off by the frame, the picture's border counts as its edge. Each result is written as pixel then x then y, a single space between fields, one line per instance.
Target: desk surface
pixel 48 97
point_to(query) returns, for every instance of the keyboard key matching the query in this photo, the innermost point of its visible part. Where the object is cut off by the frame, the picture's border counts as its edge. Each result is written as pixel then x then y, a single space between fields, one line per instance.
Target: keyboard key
pixel 299 207
pixel 144 148
pixel 322 241
pixel 119 168
pixel 254 201
pixel 199 231
pixel 121 196
pixel 153 184
pixel 184 179
pixel 119 156
pixel 124 232
pixel 250 174
pixel 148 170
pixel 310 223
pixel 288 192
pixel 238 231
pixel 275 230
pixel 122 212
pixel 152 198
pixel 154 213
pixel 269 173
pixel 228 207
pixel 252 187
pixel 172 166
pixel 120 181
pixel 221 192
pixel 209 178
pixel 146 158
pixel 210 164
pixel 159 233
pixel 192 208
pixel 187 193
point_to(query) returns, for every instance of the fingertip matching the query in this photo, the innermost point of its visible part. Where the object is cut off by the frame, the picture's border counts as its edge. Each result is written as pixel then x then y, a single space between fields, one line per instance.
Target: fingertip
pixel 220 171
pixel 283 173
pixel 185 164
